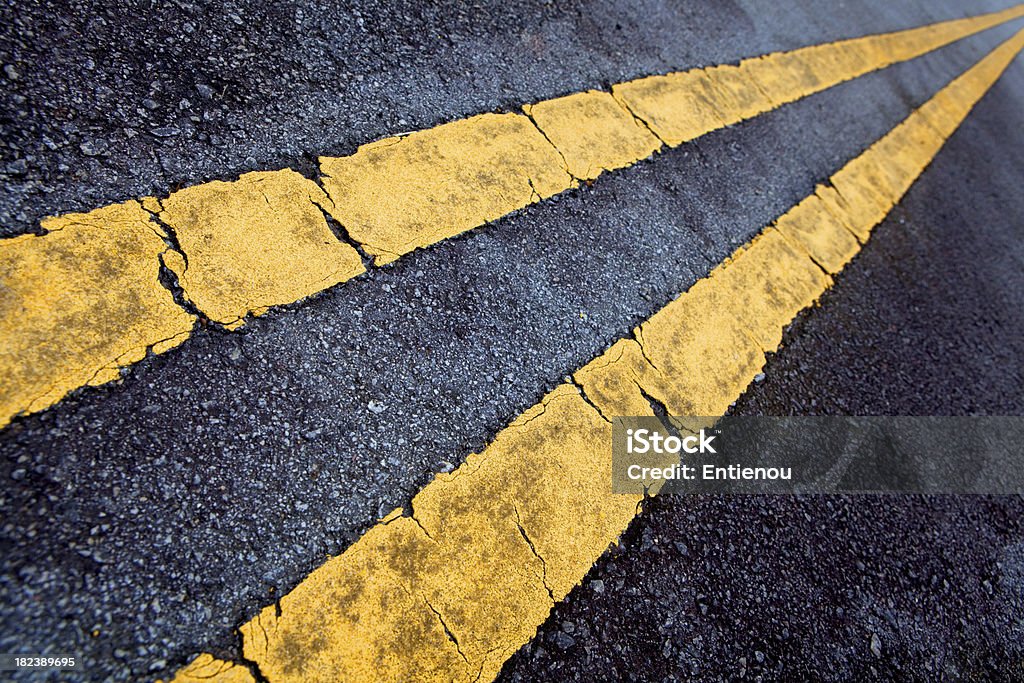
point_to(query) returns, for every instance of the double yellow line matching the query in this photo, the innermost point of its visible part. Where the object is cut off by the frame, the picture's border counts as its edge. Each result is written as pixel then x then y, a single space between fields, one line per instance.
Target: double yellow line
pixel 100 290
pixel 451 590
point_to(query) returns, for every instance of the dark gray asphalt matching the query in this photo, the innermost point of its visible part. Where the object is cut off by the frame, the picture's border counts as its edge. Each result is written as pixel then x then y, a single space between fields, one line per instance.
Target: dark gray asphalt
pixel 927 320
pixel 162 512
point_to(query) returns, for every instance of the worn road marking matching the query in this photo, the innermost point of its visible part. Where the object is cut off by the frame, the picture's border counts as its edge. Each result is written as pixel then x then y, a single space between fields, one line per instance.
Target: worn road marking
pixel 593 132
pixel 263 240
pixel 80 302
pixel 400 194
pixel 682 106
pixel 257 242
pixel 452 589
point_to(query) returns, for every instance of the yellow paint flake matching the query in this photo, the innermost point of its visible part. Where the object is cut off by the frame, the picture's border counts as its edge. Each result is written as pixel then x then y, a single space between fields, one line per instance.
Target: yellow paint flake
pixel 546 472
pixel 700 355
pixel 767 283
pixel 207 669
pixel 79 303
pixel 855 200
pixel 834 63
pixel 694 357
pixel 943 112
pixel 593 132
pixel 612 380
pixel 783 77
pixel 253 243
pixel 399 194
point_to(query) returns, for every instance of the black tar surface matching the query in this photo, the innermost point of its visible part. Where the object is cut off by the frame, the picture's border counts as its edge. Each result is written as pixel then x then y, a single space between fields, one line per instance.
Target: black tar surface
pixel 143 522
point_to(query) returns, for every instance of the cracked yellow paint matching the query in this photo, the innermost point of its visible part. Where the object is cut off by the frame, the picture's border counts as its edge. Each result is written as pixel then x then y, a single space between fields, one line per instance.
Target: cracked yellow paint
pixel 867 188
pixel 696 355
pixel 677 107
pixel 262 241
pixel 321 634
pixel 736 95
pixel 819 232
pixel 253 243
pixel 207 669
pixel 593 132
pixel 398 194
pixel 451 591
pixel 79 303
pixel 468 578
pixel 682 106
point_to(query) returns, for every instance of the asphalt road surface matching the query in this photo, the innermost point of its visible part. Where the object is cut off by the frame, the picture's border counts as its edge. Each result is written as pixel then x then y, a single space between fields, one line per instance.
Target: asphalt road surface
pixel 144 521
pixel 925 321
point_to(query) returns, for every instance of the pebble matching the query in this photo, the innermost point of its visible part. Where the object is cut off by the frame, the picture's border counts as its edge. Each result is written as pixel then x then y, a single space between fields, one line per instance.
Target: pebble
pixel 93 148
pixel 17 167
pixel 563 641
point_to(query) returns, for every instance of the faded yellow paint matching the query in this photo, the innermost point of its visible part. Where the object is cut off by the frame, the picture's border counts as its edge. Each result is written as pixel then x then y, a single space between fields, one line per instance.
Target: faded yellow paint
pixel 678 107
pixel 767 283
pixel 452 590
pixel 253 243
pixel 696 355
pixel 321 634
pixel 685 105
pixel 859 197
pixel 736 96
pixel 814 228
pixel 262 241
pixel 398 194
pixel 207 669
pixel 81 302
pixel 867 188
pixel 465 581
pixel 593 132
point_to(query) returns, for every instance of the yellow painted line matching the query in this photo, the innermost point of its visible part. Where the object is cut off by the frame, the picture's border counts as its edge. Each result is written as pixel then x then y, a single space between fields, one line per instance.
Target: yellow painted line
pixel 81 302
pixel 263 240
pixel 593 133
pixel 451 590
pixel 400 194
pixel 257 242
pixel 682 106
